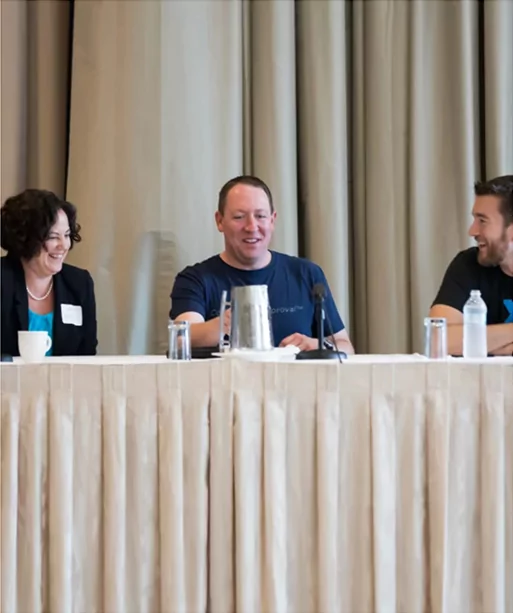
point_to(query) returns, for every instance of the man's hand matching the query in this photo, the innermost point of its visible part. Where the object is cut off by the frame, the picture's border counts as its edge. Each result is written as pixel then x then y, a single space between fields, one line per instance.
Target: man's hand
pixel 215 324
pixel 305 343
pixel 205 334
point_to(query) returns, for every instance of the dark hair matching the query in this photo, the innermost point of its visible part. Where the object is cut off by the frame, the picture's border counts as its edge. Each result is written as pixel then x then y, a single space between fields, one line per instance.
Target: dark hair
pixel 26 221
pixel 243 180
pixel 502 187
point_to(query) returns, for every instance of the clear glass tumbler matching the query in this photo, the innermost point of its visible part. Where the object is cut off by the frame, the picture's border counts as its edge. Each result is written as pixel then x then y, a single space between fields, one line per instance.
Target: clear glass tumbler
pixel 435 339
pixel 179 340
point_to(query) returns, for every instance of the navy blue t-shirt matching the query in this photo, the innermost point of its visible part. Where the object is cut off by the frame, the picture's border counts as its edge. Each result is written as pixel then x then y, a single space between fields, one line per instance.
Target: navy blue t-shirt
pixel 289 280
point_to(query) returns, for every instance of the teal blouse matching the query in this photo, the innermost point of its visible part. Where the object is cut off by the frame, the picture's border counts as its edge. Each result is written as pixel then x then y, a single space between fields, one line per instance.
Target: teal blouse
pixel 41 323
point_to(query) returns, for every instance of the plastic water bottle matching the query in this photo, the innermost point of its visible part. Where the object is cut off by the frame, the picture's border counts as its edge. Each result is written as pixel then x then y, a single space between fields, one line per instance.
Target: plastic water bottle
pixel 474 326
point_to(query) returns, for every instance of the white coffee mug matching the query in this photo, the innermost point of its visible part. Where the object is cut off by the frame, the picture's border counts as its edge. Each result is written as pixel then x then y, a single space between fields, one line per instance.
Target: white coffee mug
pixel 33 345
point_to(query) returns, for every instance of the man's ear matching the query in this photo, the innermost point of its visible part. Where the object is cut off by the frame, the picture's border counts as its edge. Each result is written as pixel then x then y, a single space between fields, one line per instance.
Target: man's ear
pixel 219 221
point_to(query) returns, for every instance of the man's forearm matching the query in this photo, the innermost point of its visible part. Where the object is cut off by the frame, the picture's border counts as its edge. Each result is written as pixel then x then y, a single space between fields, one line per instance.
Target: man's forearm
pixel 506 350
pixel 204 335
pixel 498 337
pixel 346 347
pixel 343 344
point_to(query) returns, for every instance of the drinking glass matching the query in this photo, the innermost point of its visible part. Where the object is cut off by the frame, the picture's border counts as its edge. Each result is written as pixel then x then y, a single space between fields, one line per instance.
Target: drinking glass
pixel 179 340
pixel 435 340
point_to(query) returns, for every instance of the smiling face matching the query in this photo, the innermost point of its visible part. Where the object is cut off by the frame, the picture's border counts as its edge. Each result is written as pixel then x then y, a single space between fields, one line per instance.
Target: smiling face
pixel 247 224
pixel 493 237
pixel 55 248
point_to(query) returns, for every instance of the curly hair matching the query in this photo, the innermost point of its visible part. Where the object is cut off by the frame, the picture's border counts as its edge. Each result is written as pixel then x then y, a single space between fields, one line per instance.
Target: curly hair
pixel 26 221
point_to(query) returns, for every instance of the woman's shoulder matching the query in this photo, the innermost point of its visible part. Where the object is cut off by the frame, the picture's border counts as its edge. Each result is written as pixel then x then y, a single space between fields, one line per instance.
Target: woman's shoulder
pixel 7 262
pixel 74 285
pixel 75 277
pixel 68 270
pixel 10 270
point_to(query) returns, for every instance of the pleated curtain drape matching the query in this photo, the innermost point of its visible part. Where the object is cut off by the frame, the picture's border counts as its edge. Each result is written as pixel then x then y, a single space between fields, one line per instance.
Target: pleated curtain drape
pixel 34 94
pixel 370 120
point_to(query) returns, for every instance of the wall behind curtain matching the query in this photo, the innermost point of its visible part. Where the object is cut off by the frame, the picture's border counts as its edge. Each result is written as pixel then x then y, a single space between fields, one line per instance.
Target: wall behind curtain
pixel 370 121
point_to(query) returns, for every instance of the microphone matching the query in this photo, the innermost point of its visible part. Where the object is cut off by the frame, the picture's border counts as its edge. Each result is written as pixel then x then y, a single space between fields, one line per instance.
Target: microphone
pixel 321 353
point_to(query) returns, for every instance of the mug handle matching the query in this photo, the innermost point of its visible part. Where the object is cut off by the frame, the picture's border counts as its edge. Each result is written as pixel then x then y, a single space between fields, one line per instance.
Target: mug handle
pixel 48 343
pixel 223 344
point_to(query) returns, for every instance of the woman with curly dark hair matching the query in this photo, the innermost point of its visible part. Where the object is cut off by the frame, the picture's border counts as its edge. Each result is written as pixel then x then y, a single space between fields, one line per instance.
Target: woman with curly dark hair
pixel 38 291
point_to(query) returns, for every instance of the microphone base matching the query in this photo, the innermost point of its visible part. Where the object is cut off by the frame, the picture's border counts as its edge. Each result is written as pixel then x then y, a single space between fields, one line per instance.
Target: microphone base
pixel 321 354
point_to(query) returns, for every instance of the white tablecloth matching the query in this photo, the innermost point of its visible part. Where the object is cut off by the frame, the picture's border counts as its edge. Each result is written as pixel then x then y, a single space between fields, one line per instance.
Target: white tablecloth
pixel 141 485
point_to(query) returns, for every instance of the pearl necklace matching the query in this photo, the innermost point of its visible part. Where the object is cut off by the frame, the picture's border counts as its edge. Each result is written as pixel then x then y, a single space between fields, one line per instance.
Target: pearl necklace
pixel 42 297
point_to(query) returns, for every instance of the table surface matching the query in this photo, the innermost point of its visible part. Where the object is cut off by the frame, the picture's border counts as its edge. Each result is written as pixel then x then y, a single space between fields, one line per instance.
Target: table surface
pixel 353 359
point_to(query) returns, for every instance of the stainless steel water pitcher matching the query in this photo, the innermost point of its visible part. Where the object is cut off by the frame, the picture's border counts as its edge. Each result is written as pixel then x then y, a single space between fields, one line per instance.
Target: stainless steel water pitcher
pixel 250 326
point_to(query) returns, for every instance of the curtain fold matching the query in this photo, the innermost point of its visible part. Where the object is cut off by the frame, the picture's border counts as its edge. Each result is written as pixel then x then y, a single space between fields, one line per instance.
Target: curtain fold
pixel 369 120
pixel 498 86
pixel 34 93
pixel 157 121
pixel 380 146
pixel 444 144
pixel 323 144
pixel 13 97
pixel 273 118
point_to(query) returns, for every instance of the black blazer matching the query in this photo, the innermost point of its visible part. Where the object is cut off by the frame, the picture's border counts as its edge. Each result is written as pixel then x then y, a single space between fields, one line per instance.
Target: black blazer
pixel 71 286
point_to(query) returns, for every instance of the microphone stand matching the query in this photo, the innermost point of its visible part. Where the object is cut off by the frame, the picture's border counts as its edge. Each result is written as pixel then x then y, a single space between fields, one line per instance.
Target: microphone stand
pixel 321 353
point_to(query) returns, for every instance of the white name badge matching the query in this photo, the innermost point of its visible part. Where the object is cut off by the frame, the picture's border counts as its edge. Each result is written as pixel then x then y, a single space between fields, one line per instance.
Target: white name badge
pixel 71 314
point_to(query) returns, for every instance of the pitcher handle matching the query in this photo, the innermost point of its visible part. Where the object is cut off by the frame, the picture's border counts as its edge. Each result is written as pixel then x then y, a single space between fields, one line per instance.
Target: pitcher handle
pixel 223 344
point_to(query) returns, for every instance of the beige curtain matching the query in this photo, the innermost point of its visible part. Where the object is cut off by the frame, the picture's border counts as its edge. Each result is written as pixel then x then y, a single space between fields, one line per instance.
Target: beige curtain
pixel 369 119
pixel 418 146
pixel 34 94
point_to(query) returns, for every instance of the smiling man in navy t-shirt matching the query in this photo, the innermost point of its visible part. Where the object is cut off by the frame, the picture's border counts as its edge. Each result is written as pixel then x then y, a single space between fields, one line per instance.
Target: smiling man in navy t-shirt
pixel 246 217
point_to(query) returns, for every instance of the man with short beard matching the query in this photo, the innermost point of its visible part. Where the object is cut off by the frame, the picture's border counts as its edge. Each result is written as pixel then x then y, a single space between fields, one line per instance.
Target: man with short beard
pixel 488 267
pixel 246 217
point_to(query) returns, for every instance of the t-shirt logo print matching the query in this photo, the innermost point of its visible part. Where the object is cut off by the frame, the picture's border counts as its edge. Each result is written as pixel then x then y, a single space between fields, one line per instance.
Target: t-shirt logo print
pixel 509 307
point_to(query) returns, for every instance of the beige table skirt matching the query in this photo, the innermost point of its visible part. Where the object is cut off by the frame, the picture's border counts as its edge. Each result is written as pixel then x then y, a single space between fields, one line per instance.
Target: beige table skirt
pixel 223 486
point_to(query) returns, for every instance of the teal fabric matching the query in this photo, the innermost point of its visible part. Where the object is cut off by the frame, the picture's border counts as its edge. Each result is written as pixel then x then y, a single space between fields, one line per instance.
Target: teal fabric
pixel 41 323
